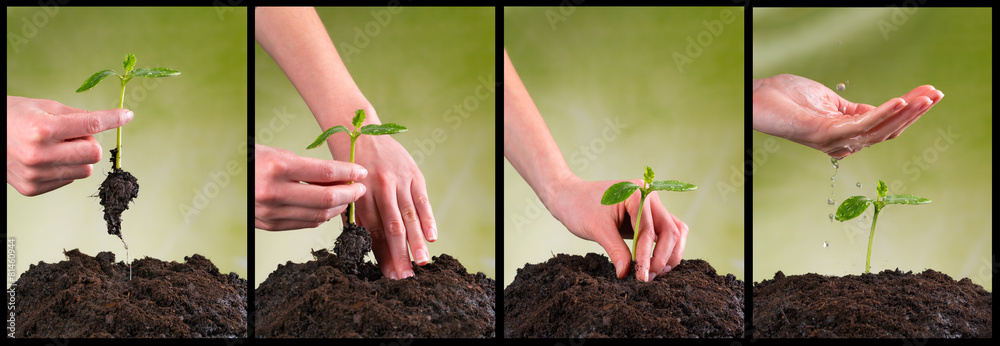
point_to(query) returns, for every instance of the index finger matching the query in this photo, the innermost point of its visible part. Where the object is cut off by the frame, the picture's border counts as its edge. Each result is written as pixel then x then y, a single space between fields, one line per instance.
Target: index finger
pixel 88 123
pixel 312 170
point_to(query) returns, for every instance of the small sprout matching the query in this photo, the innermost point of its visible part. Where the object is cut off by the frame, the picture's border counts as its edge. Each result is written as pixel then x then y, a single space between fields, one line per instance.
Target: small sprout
pixel 856 205
pixel 621 191
pixel 370 129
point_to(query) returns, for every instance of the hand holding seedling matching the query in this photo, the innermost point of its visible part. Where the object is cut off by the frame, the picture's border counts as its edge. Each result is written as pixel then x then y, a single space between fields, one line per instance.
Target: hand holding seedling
pixel 854 206
pixel 50 144
pixel 809 113
pixel 281 200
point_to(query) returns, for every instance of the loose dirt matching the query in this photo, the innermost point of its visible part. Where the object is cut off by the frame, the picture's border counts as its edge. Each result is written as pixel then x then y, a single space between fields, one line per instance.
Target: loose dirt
pixel 890 304
pixel 571 296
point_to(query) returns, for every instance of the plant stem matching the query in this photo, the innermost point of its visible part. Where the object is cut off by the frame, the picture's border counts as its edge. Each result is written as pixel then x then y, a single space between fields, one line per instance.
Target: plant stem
pixel 638 221
pixel 868 261
pixel 118 147
pixel 354 139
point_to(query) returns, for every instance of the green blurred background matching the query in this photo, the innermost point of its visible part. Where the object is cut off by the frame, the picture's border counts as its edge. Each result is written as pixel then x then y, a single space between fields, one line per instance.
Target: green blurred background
pixel 586 67
pixel 186 131
pixel 414 69
pixel 945 156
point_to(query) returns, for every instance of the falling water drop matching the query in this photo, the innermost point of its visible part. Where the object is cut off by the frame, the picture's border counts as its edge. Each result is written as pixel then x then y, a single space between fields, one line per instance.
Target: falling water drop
pixel 841 87
pixel 859 184
pixel 826 244
pixel 836 164
pixel 831 201
pixel 831 217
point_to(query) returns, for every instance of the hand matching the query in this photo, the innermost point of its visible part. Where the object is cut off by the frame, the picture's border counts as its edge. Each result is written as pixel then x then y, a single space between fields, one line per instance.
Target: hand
pixel 809 113
pixel 575 204
pixel 396 211
pixel 282 202
pixel 50 144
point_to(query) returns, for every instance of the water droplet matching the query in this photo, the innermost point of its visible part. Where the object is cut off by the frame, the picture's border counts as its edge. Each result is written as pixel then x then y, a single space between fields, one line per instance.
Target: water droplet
pixel 826 244
pixel 835 163
pixel 831 201
pixel 831 217
pixel 841 87
pixel 859 184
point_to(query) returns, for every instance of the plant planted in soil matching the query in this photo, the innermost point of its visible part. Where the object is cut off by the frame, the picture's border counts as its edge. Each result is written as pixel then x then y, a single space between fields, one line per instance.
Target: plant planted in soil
pixel 355 241
pixel 621 191
pixel 121 187
pixel 854 206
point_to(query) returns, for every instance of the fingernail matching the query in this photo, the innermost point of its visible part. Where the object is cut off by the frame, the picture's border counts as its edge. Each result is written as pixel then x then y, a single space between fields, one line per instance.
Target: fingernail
pixel 433 234
pixel 393 275
pixel 128 116
pixel 363 189
pixel 666 270
pixel 620 268
pixel 421 257
pixel 362 173
pixel 899 106
pixel 407 273
pixel 644 273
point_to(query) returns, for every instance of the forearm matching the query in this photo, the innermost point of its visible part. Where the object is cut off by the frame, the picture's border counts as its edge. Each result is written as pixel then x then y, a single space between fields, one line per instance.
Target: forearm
pixel 528 145
pixel 297 40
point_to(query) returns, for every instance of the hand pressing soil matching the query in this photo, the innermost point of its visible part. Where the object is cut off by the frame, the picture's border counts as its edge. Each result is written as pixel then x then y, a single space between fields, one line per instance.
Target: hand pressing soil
pixel 117 190
pixel 890 304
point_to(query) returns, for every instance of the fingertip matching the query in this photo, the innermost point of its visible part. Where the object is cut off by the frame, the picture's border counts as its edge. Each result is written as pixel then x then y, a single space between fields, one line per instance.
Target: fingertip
pixel 128 116
pixel 621 268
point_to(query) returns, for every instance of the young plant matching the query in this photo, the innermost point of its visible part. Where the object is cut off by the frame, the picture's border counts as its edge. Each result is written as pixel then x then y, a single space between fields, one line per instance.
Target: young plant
pixel 370 129
pixel 619 192
pixel 121 187
pixel 854 206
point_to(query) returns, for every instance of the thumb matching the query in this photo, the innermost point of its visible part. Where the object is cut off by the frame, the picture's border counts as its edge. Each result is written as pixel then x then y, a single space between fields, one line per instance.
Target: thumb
pixel 618 252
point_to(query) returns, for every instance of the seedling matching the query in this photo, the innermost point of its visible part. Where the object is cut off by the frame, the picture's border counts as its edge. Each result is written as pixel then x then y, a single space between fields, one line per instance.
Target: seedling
pixel 370 129
pixel 854 206
pixel 121 187
pixel 619 192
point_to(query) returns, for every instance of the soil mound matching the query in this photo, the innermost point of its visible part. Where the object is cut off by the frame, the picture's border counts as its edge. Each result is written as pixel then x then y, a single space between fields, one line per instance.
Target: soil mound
pixel 890 304
pixel 572 296
pixel 337 296
pixel 91 297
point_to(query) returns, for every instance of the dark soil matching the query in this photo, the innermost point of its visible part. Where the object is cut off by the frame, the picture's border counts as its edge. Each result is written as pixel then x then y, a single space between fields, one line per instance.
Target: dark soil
pixel 891 304
pixel 571 296
pixel 117 190
pixel 336 295
pixel 91 297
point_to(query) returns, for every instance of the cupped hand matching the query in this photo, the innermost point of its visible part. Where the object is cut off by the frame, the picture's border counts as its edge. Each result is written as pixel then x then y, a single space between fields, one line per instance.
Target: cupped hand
pixel 396 209
pixel 811 114
pixel 50 144
pixel 281 200
pixel 576 203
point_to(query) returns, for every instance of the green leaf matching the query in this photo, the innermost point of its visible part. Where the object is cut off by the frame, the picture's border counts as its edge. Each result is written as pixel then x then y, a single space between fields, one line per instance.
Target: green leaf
pixel 852 207
pixel 93 80
pixel 326 134
pixel 154 72
pixel 129 62
pixel 359 117
pixel 618 193
pixel 905 199
pixel 882 189
pixel 671 185
pixel 648 175
pixel 383 129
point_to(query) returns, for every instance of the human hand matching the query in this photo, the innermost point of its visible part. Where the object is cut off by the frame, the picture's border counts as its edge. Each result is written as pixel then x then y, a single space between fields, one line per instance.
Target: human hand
pixel 574 202
pixel 50 144
pixel 809 113
pixel 397 210
pixel 282 202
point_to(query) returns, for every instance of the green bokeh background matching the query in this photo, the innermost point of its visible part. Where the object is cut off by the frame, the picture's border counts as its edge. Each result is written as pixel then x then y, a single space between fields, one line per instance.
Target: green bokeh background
pixel 186 131
pixel 586 67
pixel 414 70
pixel 884 53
